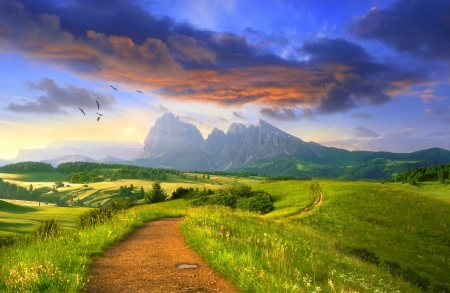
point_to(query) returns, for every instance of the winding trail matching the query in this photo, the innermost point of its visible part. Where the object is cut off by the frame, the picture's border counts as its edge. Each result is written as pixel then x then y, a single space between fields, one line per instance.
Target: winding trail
pixel 147 260
pixel 317 201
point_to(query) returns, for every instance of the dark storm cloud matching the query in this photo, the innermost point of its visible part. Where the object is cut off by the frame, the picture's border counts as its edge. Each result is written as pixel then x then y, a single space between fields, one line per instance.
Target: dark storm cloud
pixel 287 114
pixel 419 27
pixel 357 77
pixel 121 42
pixel 56 99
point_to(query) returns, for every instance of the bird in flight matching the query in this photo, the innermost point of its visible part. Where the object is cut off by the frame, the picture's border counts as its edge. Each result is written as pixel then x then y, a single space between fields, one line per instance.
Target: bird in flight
pixel 113 87
pixel 82 111
pixel 98 118
pixel 99 113
pixel 140 92
pixel 98 105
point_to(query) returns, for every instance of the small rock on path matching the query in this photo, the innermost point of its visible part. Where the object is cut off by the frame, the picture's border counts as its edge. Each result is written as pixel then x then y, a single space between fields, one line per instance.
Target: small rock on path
pixel 147 260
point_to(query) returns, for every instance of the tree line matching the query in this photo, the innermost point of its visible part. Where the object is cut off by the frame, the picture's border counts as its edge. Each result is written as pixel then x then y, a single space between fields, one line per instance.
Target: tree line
pixel 436 173
pixel 27 167
pixel 13 191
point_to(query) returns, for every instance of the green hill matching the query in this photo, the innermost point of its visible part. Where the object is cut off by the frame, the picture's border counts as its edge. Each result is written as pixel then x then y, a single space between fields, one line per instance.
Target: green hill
pixel 339 163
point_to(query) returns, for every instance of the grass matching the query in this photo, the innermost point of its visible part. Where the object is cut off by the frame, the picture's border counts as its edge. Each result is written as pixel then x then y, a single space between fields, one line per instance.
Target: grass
pixel 36 177
pixel 364 237
pixel 61 263
pixel 266 256
pixel 21 219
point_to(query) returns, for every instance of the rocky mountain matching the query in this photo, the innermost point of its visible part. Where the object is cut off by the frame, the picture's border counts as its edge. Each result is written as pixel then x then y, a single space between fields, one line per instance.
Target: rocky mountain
pixel 95 150
pixel 265 149
pixel 176 144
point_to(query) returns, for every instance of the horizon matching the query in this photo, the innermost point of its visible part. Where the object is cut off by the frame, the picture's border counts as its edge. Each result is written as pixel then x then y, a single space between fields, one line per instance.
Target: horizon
pixel 321 71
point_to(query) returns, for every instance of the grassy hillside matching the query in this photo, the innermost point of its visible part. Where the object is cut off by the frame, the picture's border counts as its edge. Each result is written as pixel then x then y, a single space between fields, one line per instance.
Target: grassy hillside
pixel 22 219
pixel 339 163
pixel 363 237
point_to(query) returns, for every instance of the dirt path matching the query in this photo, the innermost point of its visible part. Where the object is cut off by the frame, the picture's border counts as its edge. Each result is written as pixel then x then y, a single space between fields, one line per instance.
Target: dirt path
pixel 147 260
pixel 317 201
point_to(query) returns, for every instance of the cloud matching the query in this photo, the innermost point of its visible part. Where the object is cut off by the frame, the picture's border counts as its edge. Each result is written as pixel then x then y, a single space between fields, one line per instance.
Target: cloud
pixel 189 49
pixel 127 45
pixel 238 115
pixel 287 114
pixel 56 98
pixel 402 141
pixel 418 27
pixel 361 131
pixel 93 54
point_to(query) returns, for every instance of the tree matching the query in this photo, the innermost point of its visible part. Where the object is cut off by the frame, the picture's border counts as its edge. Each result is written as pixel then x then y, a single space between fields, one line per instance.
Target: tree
pixel 441 176
pixel 141 193
pixel 156 194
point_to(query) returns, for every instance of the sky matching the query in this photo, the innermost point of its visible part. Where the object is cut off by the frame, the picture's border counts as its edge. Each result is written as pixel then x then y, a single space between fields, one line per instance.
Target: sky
pixel 361 75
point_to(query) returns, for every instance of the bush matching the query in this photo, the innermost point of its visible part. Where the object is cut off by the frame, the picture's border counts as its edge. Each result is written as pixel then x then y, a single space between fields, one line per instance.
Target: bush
pixel 122 203
pixel 180 192
pixel 259 203
pixel 95 217
pixel 201 201
pixel 49 228
pixel 225 198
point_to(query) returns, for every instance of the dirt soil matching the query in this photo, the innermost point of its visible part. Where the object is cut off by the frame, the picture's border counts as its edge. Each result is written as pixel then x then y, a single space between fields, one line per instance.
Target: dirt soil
pixel 147 260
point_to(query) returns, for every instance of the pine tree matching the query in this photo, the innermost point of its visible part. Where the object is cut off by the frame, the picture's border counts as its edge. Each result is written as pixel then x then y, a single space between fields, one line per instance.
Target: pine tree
pixel 156 194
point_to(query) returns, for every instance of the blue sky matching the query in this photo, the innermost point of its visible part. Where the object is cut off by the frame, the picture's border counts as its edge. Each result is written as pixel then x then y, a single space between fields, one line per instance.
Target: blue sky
pixel 360 75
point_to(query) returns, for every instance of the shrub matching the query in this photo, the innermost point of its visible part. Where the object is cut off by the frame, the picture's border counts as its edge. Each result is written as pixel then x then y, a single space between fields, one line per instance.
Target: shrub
pixel 259 203
pixel 225 198
pixel 180 192
pixel 50 227
pixel 201 201
pixel 122 203
pixel 95 217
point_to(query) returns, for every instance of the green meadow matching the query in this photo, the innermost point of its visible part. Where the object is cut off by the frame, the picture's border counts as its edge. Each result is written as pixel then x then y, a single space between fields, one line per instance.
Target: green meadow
pixel 20 217
pixel 363 237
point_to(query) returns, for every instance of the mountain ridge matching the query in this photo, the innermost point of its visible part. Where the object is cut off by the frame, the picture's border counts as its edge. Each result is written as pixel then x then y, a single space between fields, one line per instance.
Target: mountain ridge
pixel 262 149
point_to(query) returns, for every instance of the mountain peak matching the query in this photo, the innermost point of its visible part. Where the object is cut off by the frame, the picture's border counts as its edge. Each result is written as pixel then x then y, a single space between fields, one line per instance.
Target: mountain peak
pixel 236 128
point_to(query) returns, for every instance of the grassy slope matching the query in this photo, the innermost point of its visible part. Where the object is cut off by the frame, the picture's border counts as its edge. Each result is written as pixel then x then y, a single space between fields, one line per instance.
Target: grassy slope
pixel 20 219
pixel 394 222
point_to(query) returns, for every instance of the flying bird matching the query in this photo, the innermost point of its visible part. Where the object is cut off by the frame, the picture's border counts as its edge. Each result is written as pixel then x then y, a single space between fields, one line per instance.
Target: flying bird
pixel 82 111
pixel 99 113
pixel 98 105
pixel 113 87
pixel 98 118
pixel 140 92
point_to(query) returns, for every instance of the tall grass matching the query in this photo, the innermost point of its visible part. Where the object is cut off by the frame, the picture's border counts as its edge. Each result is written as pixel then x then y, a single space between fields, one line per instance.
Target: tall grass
pixel 261 255
pixel 60 263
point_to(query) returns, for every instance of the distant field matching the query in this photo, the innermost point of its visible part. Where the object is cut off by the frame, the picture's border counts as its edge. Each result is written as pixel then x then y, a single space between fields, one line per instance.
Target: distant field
pixel 16 218
pixel 429 188
pixel 36 177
